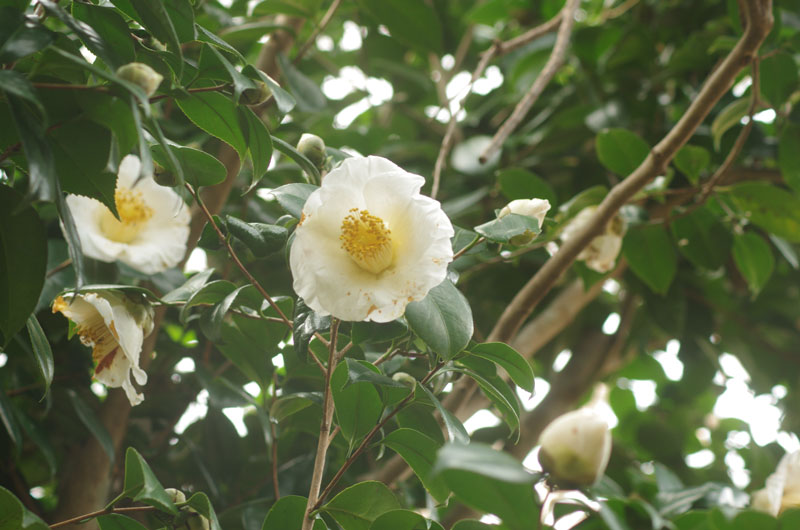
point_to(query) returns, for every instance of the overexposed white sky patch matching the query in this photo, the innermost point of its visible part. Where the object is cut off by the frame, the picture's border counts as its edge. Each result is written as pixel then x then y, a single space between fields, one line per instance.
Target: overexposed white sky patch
pixel 531 401
pixel 3 359
pixel 196 410
pixel 350 79
pixel 198 261
pixel 351 38
pixel 669 361
pixel 561 360
pixel 185 366
pixel 479 420
pixel 611 324
pixel 700 459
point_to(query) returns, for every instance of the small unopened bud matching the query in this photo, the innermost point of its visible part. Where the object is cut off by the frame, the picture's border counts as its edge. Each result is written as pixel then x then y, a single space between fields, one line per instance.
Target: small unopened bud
pixel 402 377
pixel 163 176
pixel 142 75
pixel 177 496
pixel 536 208
pixel 576 447
pixel 256 96
pixel 312 147
pixel 195 521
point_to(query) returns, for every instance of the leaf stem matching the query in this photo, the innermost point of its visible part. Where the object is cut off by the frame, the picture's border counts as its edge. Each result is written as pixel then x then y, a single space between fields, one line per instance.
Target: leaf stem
pixel 87 516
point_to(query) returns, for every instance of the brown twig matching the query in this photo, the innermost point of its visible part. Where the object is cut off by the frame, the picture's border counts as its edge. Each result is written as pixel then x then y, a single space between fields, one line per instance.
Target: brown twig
pixel 758 14
pixel 85 517
pixel 326 18
pixel 554 62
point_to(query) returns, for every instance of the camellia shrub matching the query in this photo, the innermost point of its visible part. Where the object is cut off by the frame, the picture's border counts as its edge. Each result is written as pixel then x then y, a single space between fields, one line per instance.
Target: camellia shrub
pixel 399 264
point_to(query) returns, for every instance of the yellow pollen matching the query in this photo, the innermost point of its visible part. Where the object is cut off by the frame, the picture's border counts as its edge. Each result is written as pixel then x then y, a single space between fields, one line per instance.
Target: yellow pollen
pixel 367 240
pixel 133 214
pixel 94 333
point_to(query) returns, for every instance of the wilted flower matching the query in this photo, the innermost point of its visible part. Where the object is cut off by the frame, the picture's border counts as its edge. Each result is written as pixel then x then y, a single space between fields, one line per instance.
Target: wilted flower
pixel 368 243
pixel 114 327
pixel 150 234
pixel 536 208
pixel 782 489
pixel 312 147
pixel 601 254
pixel 142 75
pixel 576 446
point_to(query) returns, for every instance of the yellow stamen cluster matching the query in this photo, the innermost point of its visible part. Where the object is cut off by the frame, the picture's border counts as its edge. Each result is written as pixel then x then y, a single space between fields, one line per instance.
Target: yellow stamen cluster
pixel 133 214
pixel 367 240
pixel 94 333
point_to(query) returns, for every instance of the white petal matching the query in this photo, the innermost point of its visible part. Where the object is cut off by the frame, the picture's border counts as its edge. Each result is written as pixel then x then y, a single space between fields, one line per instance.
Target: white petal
pixel 86 212
pixel 129 169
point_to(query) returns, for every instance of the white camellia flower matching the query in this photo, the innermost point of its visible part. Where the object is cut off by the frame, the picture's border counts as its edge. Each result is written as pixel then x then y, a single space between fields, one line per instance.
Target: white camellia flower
pixel 153 226
pixel 601 254
pixel 536 208
pixel 368 243
pixel 576 446
pixel 782 489
pixel 114 327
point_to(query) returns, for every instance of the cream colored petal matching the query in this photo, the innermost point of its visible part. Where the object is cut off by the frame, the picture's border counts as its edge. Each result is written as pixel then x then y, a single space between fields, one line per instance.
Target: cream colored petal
pixel 118 374
pixel 87 212
pixel 156 248
pixel 128 173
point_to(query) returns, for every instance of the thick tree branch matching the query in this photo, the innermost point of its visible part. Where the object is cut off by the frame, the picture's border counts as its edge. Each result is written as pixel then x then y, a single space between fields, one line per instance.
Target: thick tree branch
pixel 758 15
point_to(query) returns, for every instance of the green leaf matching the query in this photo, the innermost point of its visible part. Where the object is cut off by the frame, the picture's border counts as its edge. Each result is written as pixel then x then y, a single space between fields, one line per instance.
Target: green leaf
pixel 727 118
pixel 81 150
pixel 778 78
pixel 199 167
pixel 199 501
pixel 212 324
pixel 651 256
pixel 203 35
pixel 509 359
pixel 7 417
pixel 14 515
pixel 471 524
pixel 392 392
pixel 415 24
pixel 770 207
pixel 285 406
pixel 621 150
pixel 751 519
pixel 399 520
pixel 112 29
pixel 23 259
pixel 305 164
pixel 217 115
pixel 300 8
pixel 90 420
pixel 259 143
pixel 116 521
pixel 262 239
pixel 754 259
pixel 789 155
pixel 358 406
pixel 210 293
pixel 692 160
pixel 356 507
pixel 522 184
pixel 490 481
pixel 155 18
pixel 192 285
pixel 42 351
pixel 21 39
pixel 306 92
pixel 455 429
pixel 306 323
pixel 443 319
pixel 90 38
pixel 240 81
pixel 419 452
pixel 498 393
pixel 181 13
pixel 786 250
pixel 702 238
pixel 17 84
pixel 286 514
pixel 142 485
pixel 508 227
pixel 284 100
pixel 38 154
pixel 292 197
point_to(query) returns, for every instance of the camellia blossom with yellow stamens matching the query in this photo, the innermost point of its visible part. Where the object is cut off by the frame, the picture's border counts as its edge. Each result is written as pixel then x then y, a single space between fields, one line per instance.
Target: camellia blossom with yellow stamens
pixel 368 242
pixel 153 226
pixel 114 327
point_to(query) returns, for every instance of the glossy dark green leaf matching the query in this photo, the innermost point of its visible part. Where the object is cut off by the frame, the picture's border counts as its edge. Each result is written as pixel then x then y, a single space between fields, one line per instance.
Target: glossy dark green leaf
pixel 300 8
pixel 498 393
pixel 41 350
pixel 145 155
pixel 23 259
pixel 181 13
pixel 778 78
pixel 292 197
pixel 142 485
pixel 305 164
pixel 522 184
pixel 200 502
pixel 751 519
pixel 212 325
pixel 192 285
pixel 240 81
pixel 786 250
pixel 38 152
pixel 204 35
pixel 113 113
pixel 770 207
pixel 14 515
pixel 286 514
pixel 17 84
pixel 283 100
pixel 285 406
pixel 355 508
pixel 155 18
pixel 91 421
pixel 399 520
pixel 306 92
pixel 443 319
pixel 789 155
pixel 702 238
pixel 727 118
pixel 392 392
pixel 419 452
pixel 199 167
pixel 415 24
pixel 620 150
pixel 650 254
pixel 172 163
pixel 81 151
pixel 211 293
pixel 306 323
pixel 217 115
pixel 358 406
pixel 262 239
pixel 112 29
pixel 8 419
pixel 117 521
pixel 455 429
pixel 21 39
pixel 509 359
pixel 90 38
pixel 692 160
pixel 259 143
pixel 509 227
pixel 754 259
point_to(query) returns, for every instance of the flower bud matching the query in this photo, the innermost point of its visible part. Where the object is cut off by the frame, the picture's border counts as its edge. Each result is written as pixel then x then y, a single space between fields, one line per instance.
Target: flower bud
pixel 536 208
pixel 142 75
pixel 256 96
pixel 575 448
pixel 195 521
pixel 312 147
pixel 163 176
pixel 402 377
pixel 177 496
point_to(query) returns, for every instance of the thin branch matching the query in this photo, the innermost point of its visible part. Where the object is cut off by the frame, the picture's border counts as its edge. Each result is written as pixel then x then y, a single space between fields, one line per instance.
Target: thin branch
pixel 274 434
pixel 758 14
pixel 554 62
pixel 326 18
pixel 324 431
pixel 85 517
